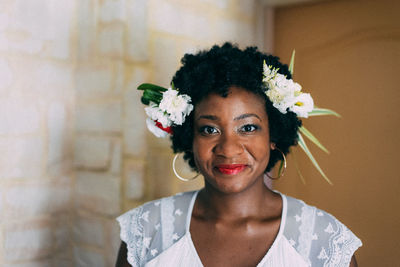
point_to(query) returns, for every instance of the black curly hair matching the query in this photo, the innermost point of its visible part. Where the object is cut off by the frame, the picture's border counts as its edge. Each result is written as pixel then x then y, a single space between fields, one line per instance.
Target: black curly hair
pixel 215 71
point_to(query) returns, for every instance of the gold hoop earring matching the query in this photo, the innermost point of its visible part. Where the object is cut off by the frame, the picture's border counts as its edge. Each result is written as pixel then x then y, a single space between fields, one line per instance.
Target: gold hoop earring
pixel 176 173
pixel 283 164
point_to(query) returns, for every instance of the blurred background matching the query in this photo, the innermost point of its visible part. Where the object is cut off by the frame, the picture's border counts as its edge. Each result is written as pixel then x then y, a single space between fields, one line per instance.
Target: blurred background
pixel 74 149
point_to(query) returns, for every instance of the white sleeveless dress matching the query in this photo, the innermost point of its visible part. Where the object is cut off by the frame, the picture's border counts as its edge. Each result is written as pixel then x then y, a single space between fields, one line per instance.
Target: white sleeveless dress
pixel 157 234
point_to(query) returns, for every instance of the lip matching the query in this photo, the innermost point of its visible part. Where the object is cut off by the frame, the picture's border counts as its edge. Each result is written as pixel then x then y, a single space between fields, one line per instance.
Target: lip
pixel 230 169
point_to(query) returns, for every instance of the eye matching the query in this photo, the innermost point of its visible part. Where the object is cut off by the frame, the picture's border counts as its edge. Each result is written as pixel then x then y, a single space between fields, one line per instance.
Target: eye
pixel 248 128
pixel 208 130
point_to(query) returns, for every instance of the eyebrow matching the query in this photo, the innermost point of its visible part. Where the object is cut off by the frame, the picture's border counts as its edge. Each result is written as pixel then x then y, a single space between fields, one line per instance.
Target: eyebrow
pixel 208 117
pixel 247 115
pixel 240 117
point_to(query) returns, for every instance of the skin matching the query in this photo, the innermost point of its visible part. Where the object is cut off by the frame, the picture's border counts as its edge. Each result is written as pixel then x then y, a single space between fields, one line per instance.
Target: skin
pixel 235 218
pixel 233 209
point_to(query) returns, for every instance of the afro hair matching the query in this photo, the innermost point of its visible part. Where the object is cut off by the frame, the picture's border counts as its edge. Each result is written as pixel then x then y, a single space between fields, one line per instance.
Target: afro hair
pixel 215 71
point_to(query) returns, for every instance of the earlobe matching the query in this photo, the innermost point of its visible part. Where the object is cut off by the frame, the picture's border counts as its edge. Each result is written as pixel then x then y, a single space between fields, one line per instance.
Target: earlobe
pixel 272 146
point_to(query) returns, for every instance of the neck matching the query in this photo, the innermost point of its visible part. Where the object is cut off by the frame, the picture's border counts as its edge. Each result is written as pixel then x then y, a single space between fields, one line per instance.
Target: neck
pixel 255 201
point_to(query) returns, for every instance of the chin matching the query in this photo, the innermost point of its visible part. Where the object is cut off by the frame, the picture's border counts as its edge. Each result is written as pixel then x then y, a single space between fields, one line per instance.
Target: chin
pixel 231 184
pixel 229 187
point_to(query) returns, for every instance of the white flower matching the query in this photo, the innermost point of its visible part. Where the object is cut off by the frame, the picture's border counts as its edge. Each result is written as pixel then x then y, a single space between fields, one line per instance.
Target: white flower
pixel 175 236
pixel 146 241
pixel 269 72
pixel 281 92
pixel 177 106
pixel 286 94
pixel 297 87
pixel 153 252
pixel 279 101
pixel 302 105
pixel 156 114
pixel 151 125
pixel 173 109
pixel 145 216
pixel 281 83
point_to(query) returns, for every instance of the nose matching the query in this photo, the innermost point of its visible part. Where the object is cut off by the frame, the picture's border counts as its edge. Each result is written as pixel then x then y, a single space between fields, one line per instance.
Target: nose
pixel 228 146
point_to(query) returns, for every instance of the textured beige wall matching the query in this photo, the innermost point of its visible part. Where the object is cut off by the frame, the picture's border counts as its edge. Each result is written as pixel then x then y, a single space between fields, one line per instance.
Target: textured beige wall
pixel 75 152
pixel 36 132
pixel 347 56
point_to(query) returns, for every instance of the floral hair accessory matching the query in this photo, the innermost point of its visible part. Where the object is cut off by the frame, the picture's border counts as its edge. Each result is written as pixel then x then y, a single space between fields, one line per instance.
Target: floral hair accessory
pixel 165 108
pixel 286 95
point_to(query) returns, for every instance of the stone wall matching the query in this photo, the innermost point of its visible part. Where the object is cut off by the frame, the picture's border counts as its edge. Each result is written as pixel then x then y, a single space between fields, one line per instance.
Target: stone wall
pixel 37 98
pixel 75 149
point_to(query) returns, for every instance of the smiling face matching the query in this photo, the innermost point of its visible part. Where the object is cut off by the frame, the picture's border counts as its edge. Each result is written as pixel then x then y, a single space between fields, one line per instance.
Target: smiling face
pixel 231 144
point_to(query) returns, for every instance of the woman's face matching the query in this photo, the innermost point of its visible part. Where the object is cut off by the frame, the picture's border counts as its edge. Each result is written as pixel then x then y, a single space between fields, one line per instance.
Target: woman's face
pixel 231 143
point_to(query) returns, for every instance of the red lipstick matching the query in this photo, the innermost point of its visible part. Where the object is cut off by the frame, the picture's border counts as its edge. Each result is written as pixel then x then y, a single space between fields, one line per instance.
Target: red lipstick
pixel 230 169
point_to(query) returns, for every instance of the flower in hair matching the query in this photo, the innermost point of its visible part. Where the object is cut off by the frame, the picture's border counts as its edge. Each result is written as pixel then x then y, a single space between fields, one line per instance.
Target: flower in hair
pixel 166 108
pixel 157 129
pixel 285 94
pixel 303 105
pixel 157 114
pixel 176 106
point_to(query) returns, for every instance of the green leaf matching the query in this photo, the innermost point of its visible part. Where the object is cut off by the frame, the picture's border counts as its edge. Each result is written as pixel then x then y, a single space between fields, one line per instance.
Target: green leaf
pixel 145 101
pixel 151 93
pixel 322 112
pixel 152 96
pixel 303 145
pixel 312 138
pixel 291 65
pixel 293 153
pixel 152 87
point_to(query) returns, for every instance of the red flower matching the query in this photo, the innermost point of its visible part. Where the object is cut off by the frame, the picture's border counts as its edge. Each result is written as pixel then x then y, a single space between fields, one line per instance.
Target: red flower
pixel 167 129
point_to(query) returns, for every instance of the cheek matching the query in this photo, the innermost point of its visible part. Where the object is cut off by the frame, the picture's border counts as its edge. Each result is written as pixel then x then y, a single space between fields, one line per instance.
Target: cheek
pixel 199 152
pixel 202 153
pixel 260 148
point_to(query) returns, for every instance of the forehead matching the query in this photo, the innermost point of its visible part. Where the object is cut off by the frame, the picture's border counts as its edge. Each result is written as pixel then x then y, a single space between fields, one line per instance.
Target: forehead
pixel 238 101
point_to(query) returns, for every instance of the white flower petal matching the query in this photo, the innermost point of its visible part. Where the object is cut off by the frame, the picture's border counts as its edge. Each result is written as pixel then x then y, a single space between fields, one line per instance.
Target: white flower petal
pixel 153 252
pixel 152 111
pixel 151 125
pixel 286 94
pixel 172 109
pixel 156 114
pixel 302 105
pixel 176 106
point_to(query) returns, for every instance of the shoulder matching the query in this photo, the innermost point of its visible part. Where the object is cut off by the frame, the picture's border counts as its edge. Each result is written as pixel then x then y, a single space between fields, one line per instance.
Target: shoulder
pixel 152 227
pixel 318 236
pixel 149 211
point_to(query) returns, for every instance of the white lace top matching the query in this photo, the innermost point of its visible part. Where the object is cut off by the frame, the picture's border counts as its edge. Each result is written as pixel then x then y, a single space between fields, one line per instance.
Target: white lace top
pixel 157 234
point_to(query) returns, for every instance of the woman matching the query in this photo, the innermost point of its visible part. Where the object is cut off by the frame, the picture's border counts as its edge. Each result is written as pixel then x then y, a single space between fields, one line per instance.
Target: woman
pixel 233 124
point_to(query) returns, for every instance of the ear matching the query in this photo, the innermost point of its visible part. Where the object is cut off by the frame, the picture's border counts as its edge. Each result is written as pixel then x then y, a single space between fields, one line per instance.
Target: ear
pixel 272 145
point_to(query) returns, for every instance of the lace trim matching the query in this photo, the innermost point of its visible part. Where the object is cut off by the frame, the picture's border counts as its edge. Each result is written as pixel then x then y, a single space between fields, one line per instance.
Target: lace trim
pixel 132 235
pixel 167 221
pixel 306 229
pixel 342 245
